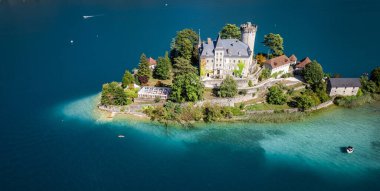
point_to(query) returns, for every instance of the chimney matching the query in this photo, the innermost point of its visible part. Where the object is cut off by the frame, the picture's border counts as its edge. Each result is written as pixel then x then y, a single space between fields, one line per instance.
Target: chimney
pixel 209 41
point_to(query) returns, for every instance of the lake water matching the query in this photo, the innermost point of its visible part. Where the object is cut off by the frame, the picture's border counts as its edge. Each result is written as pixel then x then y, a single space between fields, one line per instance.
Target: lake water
pixel 49 140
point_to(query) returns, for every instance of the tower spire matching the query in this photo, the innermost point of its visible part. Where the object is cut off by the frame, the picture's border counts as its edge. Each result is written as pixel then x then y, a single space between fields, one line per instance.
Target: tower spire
pixel 199 38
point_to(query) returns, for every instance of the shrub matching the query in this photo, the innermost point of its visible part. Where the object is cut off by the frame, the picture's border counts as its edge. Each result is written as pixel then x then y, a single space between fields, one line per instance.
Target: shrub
pixel 191 113
pixel 211 113
pixel 228 88
pixel 250 83
pixel 353 101
pixel 276 96
pixel 305 101
pixel 241 106
pixel 143 79
pixel 157 99
pixel 243 92
pixel 265 74
pixel 287 75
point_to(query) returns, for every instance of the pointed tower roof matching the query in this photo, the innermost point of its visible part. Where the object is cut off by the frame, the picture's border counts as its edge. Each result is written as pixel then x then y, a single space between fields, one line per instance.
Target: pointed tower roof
pixel 199 38
pixel 219 43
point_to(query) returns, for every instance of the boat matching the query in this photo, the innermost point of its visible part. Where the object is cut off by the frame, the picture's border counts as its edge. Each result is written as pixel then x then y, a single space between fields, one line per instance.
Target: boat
pixel 121 136
pixel 90 16
pixel 350 149
pixel 86 17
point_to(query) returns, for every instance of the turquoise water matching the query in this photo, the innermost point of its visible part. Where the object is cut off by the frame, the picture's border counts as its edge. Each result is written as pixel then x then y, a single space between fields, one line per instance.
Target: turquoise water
pixel 312 148
pixel 50 141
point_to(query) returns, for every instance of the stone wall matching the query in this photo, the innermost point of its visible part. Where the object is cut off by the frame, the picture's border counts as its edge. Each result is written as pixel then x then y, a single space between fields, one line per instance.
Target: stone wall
pixel 227 101
pixel 213 83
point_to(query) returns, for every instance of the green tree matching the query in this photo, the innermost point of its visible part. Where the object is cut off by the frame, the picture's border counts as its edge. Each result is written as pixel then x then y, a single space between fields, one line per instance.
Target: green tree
pixel 320 90
pixel 162 70
pixel 276 96
pixel 313 73
pixel 113 94
pixel 304 102
pixel 228 88
pixel 239 72
pixel 367 85
pixel 265 74
pixel 375 75
pixel 275 43
pixel 230 31
pixel 128 79
pixel 187 87
pixel 183 66
pixel 184 45
pixel 143 70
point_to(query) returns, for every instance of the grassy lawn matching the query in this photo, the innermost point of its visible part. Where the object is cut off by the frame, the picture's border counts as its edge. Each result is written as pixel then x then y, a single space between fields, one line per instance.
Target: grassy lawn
pixel 295 85
pixel 252 101
pixel 208 94
pixel 266 106
pixel 153 82
pixel 297 93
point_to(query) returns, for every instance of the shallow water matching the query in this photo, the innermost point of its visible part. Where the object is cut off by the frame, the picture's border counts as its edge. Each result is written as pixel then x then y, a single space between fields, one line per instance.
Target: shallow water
pixel 310 150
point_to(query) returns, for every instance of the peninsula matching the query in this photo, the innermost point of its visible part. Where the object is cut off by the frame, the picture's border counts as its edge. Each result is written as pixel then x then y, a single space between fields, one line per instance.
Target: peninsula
pixel 224 80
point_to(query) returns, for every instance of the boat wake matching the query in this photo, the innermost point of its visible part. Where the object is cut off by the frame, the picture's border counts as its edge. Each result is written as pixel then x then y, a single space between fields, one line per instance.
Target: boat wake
pixel 92 16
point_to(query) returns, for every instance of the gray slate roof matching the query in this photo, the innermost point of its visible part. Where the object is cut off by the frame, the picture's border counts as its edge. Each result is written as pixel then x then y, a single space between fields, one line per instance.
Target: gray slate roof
pixel 345 82
pixel 231 47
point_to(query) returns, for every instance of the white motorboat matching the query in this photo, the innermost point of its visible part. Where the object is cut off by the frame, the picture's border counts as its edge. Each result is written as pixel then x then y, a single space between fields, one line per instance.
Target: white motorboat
pixel 350 149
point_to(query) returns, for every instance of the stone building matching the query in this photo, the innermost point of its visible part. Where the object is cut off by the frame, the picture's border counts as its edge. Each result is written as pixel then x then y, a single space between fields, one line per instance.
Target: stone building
pixel 343 86
pixel 224 57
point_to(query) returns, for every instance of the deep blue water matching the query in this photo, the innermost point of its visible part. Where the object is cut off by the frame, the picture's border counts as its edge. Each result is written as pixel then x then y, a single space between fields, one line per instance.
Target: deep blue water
pixel 40 71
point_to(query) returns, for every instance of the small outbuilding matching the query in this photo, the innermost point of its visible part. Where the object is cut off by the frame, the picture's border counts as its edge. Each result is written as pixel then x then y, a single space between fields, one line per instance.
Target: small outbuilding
pixel 301 65
pixel 343 86
pixel 293 59
pixel 279 65
pixel 148 92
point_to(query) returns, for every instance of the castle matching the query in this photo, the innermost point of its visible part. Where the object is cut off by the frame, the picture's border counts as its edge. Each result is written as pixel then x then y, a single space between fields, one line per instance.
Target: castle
pixel 224 57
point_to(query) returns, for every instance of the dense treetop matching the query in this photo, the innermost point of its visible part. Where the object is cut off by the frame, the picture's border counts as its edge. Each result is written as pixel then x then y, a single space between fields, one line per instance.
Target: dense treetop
pixel 128 79
pixel 230 31
pixel 143 70
pixel 275 43
pixel 163 68
pixel 185 45
pixel 313 73
pixel 113 94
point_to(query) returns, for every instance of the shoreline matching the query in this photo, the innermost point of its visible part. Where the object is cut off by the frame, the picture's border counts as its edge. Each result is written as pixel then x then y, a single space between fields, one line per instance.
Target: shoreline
pixel 260 116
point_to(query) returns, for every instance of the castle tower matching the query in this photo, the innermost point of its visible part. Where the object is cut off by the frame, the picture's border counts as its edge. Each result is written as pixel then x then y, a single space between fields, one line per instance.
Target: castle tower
pixel 248 34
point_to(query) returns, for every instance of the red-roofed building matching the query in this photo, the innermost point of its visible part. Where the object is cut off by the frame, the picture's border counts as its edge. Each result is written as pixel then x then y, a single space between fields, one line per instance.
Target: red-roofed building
pixel 152 63
pixel 293 59
pixel 301 65
pixel 278 65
